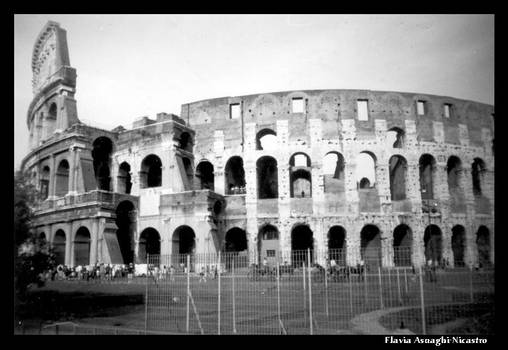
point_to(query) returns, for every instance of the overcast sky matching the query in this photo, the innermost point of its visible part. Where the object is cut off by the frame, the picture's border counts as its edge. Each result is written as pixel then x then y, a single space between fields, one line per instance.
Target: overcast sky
pixel 130 66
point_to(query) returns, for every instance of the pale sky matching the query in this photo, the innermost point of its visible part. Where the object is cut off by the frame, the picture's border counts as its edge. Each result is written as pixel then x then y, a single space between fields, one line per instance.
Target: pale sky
pixel 139 65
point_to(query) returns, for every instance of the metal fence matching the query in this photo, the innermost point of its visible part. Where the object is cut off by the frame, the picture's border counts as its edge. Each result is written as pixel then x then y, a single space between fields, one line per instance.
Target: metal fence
pixel 309 292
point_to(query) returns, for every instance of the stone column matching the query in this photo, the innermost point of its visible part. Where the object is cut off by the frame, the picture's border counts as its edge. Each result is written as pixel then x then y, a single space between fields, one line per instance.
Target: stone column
pixel 52 177
pixel 72 171
pixel 383 185
pixel 413 185
pixel 94 246
pixel 68 245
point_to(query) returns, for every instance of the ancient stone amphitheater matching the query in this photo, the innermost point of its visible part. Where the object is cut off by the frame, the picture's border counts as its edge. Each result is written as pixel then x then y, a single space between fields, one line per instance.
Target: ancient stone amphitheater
pixel 321 169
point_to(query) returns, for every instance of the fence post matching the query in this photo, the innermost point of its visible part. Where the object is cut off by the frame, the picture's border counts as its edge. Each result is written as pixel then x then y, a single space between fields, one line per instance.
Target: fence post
pixel 380 288
pixel 146 292
pixel 350 277
pixel 309 276
pixel 218 294
pixel 422 301
pixel 304 295
pixel 188 294
pixel 326 289
pixel 233 284
pixel 389 293
pixel 365 276
pixel 471 295
pixel 278 293
pixel 398 287
pixel 405 279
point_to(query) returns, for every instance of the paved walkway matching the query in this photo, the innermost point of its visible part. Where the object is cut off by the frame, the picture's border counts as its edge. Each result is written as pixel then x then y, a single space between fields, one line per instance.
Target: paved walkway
pixel 368 323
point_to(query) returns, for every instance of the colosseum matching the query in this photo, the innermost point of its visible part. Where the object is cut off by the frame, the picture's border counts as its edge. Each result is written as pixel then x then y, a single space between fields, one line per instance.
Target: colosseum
pixel 263 173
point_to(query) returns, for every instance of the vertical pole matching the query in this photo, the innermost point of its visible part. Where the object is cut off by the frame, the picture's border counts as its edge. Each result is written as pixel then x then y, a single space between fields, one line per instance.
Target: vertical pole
pixel 350 290
pixel 405 279
pixel 326 290
pixel 380 288
pixel 278 293
pixel 218 294
pixel 398 288
pixel 471 295
pixel 146 292
pixel 304 295
pixel 188 294
pixel 365 274
pixel 422 302
pixel 233 283
pixel 389 299
pixel 309 276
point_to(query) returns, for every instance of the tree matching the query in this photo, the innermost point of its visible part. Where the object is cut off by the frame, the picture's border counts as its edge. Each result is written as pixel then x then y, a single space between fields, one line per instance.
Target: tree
pixel 32 256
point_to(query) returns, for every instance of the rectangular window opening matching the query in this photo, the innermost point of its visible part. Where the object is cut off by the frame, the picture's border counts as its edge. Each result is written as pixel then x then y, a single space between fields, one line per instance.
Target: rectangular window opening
pixel 270 253
pixel 363 110
pixel 420 107
pixel 447 110
pixel 297 105
pixel 234 111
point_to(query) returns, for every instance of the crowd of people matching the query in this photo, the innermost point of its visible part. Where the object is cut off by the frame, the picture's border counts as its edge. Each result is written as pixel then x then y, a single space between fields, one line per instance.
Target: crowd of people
pixel 90 272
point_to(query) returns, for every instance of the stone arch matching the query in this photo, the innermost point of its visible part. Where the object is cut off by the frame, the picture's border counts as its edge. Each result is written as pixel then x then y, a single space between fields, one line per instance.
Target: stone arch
pixel 454 169
pixel 82 245
pixel 366 167
pixel 300 175
pixel 266 139
pixel 370 245
pixel 334 172
pixel 458 245
pixel 398 174
pixel 234 175
pixel 184 240
pixel 149 243
pixel 50 120
pixel 62 178
pixel 301 240
pixel 267 177
pixel 236 240
pixel 483 244
pixel 396 137
pixel 478 169
pixel 427 167
pixel 337 244
pixel 204 172
pixel 101 154
pixel 402 245
pixel 433 240
pixel 151 172
pixel 185 141
pixel 58 244
pixel 44 181
pixel 126 226
pixel 268 242
pixel 124 182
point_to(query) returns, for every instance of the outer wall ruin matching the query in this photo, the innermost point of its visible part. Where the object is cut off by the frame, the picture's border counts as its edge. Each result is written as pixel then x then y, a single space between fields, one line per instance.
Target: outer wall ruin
pixel 179 184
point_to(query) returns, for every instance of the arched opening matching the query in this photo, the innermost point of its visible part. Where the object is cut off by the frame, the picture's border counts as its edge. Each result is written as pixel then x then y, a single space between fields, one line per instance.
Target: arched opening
pixel 59 247
pixel 124 178
pixel 44 182
pixel 236 240
pixel 268 243
pixel 477 171
pixel 151 172
pixel 82 247
pixel 300 176
pixel 458 245
pixel 337 245
pixel 395 137
pixel 366 169
pixel 483 244
pixel 333 172
pixel 266 139
pixel 62 179
pixel 402 242
pixel 370 245
pixel 101 153
pixel 398 170
pixel 204 172
pixel 427 165
pixel 433 244
pixel 184 240
pixel 234 176
pixel 51 120
pixel 365 183
pixel 126 223
pixel 185 142
pixel 267 176
pixel 454 169
pixel 149 243
pixel 189 172
pixel 301 240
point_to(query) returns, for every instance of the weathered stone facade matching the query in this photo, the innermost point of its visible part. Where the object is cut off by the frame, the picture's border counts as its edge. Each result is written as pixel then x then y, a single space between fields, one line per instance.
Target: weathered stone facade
pixel 173 191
